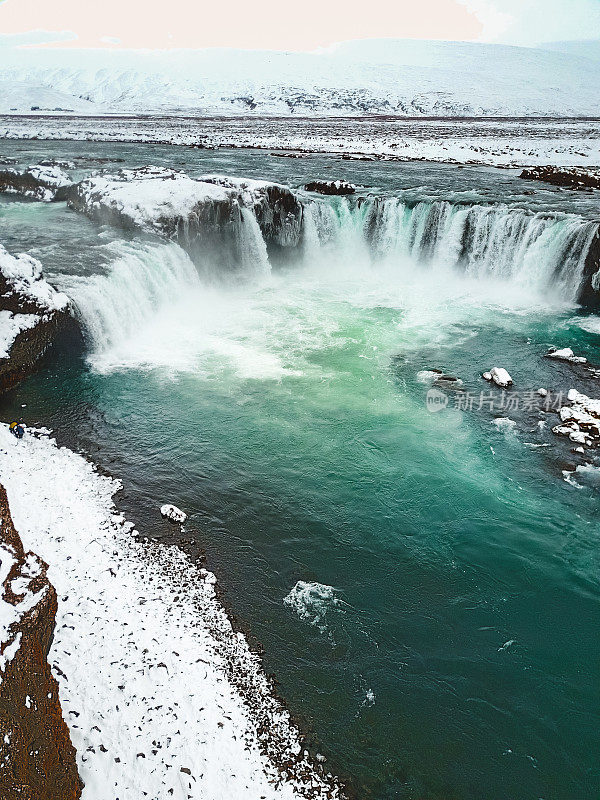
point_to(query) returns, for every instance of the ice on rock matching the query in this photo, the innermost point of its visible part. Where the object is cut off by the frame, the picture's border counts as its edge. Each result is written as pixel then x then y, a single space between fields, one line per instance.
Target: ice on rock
pixel 542 392
pixel 499 376
pixel 23 274
pixel 566 354
pixel 581 420
pixel 173 513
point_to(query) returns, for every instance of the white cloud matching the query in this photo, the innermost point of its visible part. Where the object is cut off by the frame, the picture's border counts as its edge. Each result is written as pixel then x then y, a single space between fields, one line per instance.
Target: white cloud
pixel 530 22
pixel 495 22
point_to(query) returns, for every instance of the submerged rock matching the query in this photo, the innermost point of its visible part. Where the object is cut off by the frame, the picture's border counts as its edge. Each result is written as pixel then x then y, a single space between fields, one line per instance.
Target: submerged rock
pixel 37 757
pixel 42 182
pixel 32 314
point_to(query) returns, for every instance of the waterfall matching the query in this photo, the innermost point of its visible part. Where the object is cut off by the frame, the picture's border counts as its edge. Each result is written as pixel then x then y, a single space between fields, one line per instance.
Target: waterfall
pixel 547 252
pixel 252 246
pixel 142 278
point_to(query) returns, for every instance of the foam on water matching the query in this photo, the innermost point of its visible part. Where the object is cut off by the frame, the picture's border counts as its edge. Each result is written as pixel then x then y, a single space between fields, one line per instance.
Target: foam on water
pixel 312 602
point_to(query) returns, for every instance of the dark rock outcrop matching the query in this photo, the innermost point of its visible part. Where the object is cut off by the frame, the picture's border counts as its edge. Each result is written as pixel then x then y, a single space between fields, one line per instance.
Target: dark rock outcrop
pixel 37 312
pixel 331 187
pixel 42 182
pixel 589 293
pixel 37 758
pixel 570 177
pixel 208 216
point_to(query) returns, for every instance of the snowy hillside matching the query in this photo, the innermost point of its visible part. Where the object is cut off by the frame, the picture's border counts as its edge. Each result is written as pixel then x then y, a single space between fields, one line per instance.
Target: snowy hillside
pixel 405 77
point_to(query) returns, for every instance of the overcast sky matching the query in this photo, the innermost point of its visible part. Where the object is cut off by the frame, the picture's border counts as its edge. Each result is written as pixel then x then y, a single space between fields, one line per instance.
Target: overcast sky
pixel 305 25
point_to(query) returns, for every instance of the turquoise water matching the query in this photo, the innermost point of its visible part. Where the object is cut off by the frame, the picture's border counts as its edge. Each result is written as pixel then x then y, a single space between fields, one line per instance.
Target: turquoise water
pixel 443 642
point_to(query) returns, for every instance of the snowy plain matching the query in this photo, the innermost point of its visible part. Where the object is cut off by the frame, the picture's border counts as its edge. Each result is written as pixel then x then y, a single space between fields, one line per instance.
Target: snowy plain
pixel 502 143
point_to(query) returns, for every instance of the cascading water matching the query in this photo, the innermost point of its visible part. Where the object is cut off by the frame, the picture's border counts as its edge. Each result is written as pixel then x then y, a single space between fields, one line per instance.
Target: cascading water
pixel 252 246
pixel 142 278
pixel 545 252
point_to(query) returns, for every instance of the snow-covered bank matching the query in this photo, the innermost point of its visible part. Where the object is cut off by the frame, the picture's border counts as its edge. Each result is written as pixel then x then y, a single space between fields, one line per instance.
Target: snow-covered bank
pixel 163 698
pixel 504 143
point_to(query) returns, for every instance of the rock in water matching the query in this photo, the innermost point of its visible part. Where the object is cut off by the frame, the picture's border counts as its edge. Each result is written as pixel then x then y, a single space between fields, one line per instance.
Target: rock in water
pixel 43 182
pixel 331 187
pixel 572 177
pixel 173 513
pixel 499 376
pixel 566 354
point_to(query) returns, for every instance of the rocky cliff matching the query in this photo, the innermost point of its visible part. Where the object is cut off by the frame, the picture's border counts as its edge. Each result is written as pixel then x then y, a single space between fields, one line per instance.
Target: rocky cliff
pixel 37 759
pixel 42 182
pixel 210 217
pixel 32 315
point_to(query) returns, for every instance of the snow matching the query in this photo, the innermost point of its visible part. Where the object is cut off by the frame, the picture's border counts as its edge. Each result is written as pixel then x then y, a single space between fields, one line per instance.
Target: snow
pixel 505 143
pixel 499 376
pixel 566 354
pixel 149 195
pixel 54 176
pixel 163 698
pixel 404 77
pixel 11 326
pixel 173 513
pixel 20 586
pixel 154 198
pixel 49 179
pixel 24 274
pixel 581 420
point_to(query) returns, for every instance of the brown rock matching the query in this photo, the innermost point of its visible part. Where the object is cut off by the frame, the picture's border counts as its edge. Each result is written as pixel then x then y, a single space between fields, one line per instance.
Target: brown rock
pixel 37 758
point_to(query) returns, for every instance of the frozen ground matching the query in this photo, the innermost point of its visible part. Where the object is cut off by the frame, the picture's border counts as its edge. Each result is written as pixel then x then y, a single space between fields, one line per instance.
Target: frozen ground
pixel 505 143
pixel 163 699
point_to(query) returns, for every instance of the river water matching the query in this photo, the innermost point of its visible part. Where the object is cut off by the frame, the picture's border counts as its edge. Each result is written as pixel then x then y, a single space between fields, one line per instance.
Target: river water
pixel 424 585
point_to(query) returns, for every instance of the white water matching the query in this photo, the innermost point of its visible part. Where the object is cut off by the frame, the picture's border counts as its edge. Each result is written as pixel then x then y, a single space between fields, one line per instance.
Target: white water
pixel 152 309
pixel 544 252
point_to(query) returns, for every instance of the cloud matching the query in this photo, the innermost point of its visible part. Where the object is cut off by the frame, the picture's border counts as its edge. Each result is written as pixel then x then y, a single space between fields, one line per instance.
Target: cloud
pixel 495 21
pixel 530 22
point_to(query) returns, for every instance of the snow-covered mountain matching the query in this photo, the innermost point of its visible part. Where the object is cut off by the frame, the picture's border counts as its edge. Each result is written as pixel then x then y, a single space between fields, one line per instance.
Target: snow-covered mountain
pixel 405 77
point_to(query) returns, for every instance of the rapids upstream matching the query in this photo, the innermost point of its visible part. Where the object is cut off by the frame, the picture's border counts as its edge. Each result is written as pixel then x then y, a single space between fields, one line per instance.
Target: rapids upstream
pixel 424 585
